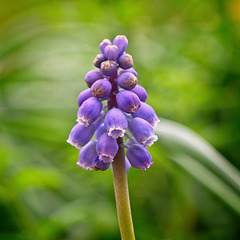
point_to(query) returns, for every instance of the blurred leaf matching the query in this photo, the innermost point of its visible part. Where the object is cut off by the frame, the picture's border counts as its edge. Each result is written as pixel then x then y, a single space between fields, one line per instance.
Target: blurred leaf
pixel 192 152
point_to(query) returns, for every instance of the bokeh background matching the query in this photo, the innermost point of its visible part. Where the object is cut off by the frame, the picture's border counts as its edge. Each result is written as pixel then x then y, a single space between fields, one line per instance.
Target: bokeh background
pixel 187 55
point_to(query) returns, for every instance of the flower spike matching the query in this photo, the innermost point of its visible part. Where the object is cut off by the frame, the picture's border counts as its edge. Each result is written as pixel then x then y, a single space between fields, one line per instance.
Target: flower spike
pixel 114 81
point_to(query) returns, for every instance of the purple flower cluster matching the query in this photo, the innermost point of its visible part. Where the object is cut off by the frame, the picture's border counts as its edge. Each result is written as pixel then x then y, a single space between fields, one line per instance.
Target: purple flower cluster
pixel 125 114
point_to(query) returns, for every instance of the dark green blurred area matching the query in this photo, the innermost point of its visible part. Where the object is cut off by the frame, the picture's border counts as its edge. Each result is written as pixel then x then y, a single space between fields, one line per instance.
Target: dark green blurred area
pixel 187 55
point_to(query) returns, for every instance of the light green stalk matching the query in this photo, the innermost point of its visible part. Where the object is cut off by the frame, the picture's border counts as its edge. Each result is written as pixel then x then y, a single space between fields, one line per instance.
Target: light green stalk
pixel 122 195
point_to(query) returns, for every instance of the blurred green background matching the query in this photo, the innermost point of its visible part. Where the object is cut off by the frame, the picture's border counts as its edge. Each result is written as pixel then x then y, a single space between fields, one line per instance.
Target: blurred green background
pixel 187 55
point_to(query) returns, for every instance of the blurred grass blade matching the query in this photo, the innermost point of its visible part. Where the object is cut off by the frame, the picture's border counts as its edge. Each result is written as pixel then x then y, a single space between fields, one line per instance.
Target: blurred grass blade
pixel 175 136
pixel 191 152
pixel 208 179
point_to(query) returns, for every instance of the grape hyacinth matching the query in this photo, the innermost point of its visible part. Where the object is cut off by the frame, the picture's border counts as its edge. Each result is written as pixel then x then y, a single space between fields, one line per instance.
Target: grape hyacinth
pixel 113 107
pixel 114 81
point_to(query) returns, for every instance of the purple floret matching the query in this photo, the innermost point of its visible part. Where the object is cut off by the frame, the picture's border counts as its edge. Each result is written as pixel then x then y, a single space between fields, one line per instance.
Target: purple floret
pixel 127 80
pixel 142 131
pixel 128 101
pixel 115 123
pixel 84 95
pixel 111 52
pixel 80 135
pixel 125 61
pixel 140 92
pixel 107 148
pixel 100 165
pixel 89 111
pixel 147 112
pixel 101 89
pixel 103 44
pixel 122 43
pixel 98 60
pixel 139 157
pixel 109 68
pixel 92 76
pixel 86 155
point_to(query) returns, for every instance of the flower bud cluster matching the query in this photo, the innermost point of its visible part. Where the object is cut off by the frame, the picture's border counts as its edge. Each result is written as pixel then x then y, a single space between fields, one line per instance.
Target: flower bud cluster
pixel 128 115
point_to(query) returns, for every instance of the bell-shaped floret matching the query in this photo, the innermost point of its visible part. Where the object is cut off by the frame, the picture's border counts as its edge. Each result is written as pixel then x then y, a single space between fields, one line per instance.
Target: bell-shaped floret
pixel 98 60
pixel 142 131
pixel 101 89
pixel 128 101
pixel 111 52
pixel 107 148
pixel 127 80
pixel 89 111
pixel 139 157
pixel 100 131
pixel 147 112
pixel 80 135
pixel 115 123
pixel 103 44
pixel 92 76
pixel 109 68
pixel 128 165
pixel 86 155
pixel 99 120
pixel 100 165
pixel 125 61
pixel 131 70
pixel 121 42
pixel 140 92
pixel 84 95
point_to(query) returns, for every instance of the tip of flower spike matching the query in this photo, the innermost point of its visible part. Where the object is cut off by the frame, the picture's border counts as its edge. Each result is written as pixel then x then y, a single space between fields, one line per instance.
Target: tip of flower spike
pixel 111 52
pixel 103 44
pixel 121 42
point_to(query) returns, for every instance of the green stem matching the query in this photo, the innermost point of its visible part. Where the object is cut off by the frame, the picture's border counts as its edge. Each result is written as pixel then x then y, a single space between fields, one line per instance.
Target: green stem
pixel 122 195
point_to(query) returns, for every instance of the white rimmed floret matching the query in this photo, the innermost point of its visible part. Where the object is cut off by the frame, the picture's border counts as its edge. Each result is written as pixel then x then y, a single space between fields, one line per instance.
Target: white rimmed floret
pixel 83 121
pixel 156 122
pixel 80 135
pixel 84 167
pixel 105 158
pixel 115 123
pixel 87 155
pixel 142 131
pixel 107 148
pixel 89 111
pixel 150 140
pixel 147 113
pixel 76 145
pixel 116 132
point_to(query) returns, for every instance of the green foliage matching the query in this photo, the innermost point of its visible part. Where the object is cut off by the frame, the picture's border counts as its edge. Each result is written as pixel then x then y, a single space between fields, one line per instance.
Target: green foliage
pixel 187 57
pixel 192 153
